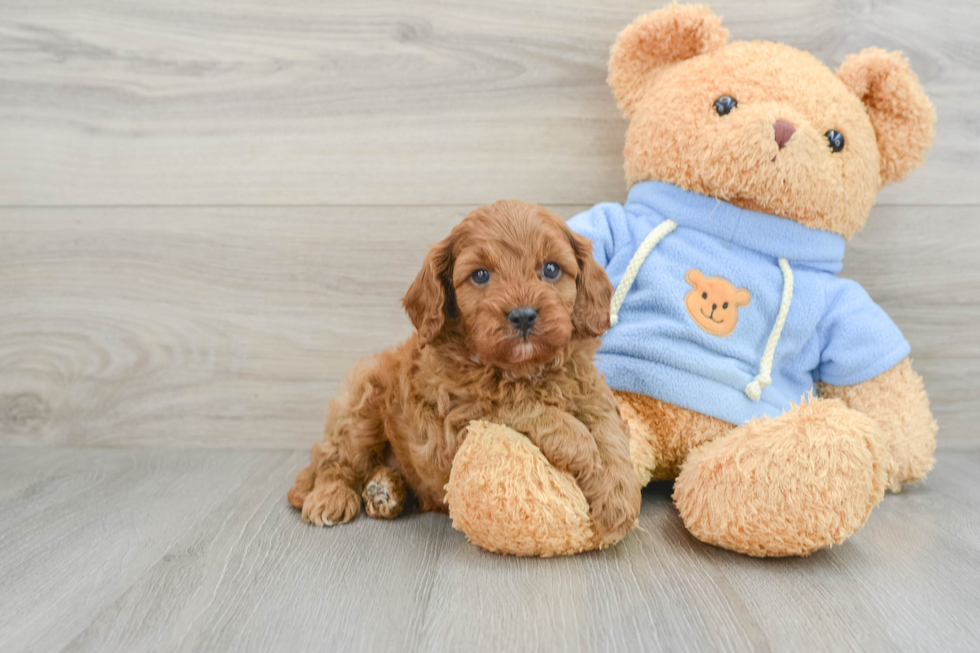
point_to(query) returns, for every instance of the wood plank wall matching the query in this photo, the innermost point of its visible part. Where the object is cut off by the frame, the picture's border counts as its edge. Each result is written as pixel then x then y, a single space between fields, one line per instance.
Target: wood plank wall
pixel 209 210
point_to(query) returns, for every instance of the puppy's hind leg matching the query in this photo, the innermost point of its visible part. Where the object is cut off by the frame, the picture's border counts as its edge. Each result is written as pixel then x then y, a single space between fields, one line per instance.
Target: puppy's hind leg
pixel 302 487
pixel 384 493
pixel 352 447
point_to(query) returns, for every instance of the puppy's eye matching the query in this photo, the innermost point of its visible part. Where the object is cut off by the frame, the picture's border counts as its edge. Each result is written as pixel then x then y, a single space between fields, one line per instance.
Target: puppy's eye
pixel 551 271
pixel 725 305
pixel 481 277
pixel 725 104
pixel 704 295
pixel 836 140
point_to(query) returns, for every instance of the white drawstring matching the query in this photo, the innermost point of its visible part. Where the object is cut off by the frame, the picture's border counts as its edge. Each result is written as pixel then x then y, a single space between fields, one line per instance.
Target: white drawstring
pixel 764 378
pixel 754 389
pixel 651 241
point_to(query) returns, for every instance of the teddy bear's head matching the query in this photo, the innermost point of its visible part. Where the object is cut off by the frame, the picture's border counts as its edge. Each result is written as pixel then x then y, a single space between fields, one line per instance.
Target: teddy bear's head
pixel 763 125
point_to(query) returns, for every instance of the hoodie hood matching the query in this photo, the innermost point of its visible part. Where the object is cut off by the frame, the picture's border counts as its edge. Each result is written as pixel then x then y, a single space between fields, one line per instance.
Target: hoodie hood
pixel 759 232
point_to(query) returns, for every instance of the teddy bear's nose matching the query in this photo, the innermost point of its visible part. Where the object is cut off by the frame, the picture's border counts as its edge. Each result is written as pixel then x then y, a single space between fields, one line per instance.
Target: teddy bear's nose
pixel 784 130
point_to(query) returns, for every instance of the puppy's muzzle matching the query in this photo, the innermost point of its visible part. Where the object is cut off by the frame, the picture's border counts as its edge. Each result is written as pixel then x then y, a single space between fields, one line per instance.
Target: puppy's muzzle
pixel 523 319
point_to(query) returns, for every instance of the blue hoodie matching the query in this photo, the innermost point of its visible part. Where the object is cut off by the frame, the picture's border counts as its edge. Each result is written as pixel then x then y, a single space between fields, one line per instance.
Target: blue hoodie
pixel 818 327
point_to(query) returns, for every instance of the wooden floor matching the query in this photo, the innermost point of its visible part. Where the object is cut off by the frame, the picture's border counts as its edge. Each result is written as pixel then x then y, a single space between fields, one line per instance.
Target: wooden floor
pixel 209 210
pixel 140 550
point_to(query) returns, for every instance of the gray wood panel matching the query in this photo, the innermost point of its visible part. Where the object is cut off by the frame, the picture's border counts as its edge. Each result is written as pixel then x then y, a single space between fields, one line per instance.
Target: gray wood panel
pixel 231 327
pixel 384 102
pixel 210 210
pixel 106 550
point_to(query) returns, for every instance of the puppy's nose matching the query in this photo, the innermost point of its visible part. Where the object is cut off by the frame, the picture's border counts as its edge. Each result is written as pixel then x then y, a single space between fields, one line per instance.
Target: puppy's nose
pixel 523 318
pixel 784 130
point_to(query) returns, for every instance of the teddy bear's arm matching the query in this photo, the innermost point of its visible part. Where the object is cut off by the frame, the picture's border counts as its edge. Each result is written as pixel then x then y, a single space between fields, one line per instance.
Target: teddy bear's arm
pixel 860 340
pixel 898 402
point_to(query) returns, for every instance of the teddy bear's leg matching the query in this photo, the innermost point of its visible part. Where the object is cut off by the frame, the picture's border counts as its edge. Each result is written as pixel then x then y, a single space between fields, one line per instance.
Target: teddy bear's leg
pixel 785 486
pixel 505 496
pixel 661 434
pixel 899 404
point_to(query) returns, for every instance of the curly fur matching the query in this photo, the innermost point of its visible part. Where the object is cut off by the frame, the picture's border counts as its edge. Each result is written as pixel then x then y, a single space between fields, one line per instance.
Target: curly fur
pixel 809 478
pixel 467 362
pixel 669 66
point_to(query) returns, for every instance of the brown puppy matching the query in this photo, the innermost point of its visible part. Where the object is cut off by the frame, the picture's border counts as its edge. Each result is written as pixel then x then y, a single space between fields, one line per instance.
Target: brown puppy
pixel 508 311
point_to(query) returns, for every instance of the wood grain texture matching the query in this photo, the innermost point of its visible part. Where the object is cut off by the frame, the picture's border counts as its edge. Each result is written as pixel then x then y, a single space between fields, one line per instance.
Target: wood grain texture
pixel 105 550
pixel 210 210
pixel 231 327
pixel 196 102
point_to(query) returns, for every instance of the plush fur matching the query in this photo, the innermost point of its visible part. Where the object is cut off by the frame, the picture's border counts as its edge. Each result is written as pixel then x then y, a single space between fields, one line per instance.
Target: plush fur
pixel 809 478
pixel 668 68
pixel 405 413
pixel 508 498
pixel 784 486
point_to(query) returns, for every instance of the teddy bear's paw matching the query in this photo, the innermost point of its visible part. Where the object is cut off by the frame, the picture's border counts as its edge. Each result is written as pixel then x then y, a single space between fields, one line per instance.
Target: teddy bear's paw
pixel 331 503
pixel 786 486
pixel 384 493
pixel 506 497
pixel 897 401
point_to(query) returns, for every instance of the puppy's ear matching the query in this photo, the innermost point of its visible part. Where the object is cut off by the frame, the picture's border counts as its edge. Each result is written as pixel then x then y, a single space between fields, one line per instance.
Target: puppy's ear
pixel 431 298
pixel 590 315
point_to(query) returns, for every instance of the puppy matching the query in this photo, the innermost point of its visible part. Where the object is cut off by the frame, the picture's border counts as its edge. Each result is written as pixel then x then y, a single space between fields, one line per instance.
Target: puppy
pixel 508 311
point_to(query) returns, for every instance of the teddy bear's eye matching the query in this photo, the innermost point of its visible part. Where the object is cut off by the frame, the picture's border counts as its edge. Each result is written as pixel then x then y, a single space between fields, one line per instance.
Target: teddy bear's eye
pixel 704 295
pixel 725 104
pixel 836 140
pixel 725 305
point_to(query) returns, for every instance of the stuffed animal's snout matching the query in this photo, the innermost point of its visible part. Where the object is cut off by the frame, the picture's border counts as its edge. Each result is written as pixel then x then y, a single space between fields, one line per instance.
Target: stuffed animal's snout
pixel 783 130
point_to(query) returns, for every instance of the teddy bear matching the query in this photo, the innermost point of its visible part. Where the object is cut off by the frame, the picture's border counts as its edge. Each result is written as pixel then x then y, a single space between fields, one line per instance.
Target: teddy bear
pixel 779 397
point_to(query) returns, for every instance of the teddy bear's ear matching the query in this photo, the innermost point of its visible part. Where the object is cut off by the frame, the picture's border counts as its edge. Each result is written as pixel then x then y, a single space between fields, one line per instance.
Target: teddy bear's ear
pixel 660 38
pixel 742 297
pixel 693 277
pixel 904 119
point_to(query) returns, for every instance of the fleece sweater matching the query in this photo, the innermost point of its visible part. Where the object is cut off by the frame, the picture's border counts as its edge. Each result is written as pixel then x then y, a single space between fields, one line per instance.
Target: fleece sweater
pixel 659 347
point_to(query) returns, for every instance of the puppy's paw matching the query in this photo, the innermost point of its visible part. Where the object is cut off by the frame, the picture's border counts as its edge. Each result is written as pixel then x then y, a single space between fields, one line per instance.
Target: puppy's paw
pixel 583 455
pixel 384 494
pixel 304 483
pixel 614 511
pixel 331 504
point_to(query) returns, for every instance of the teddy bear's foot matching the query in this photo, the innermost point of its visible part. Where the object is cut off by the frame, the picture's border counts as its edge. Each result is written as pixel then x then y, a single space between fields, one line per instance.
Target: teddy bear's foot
pixel 785 486
pixel 662 435
pixel 506 497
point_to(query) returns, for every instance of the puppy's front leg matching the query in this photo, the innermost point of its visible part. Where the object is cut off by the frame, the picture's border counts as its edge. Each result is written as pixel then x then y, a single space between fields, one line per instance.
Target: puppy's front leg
pixel 564 440
pixel 614 493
